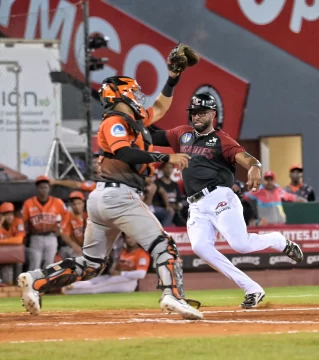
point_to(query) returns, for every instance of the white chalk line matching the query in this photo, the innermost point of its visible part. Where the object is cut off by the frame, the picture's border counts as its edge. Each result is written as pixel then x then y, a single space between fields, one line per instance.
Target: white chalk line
pixel 157 337
pixel 257 310
pixel 167 321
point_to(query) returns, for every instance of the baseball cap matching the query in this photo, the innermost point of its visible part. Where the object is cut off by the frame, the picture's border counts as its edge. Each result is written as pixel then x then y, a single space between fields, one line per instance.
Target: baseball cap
pixel 269 174
pixel 76 195
pixel 42 178
pixel 6 207
pixel 296 167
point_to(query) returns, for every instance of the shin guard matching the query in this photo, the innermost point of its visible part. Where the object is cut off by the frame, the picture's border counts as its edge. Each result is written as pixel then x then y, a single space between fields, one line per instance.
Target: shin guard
pixel 65 273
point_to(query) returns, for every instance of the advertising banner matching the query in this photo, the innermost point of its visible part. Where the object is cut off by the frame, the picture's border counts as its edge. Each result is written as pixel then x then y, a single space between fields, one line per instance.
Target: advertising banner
pixel 25 69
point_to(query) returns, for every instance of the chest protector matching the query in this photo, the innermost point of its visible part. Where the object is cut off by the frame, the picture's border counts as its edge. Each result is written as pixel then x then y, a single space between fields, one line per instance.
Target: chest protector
pixel 137 128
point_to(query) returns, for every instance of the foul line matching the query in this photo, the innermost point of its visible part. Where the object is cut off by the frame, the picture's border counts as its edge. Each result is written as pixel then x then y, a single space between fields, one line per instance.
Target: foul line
pixel 169 321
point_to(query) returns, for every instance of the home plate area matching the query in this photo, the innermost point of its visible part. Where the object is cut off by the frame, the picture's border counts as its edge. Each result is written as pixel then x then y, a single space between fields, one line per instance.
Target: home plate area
pixel 128 324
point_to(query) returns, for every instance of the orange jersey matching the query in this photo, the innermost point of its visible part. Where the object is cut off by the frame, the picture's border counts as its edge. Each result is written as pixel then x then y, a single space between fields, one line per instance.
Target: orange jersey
pixel 88 186
pixel 137 259
pixel 75 227
pixel 114 134
pixel 44 219
pixel 14 235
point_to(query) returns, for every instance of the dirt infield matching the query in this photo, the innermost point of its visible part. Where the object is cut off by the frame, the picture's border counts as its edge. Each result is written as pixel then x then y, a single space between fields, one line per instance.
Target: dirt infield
pixel 94 325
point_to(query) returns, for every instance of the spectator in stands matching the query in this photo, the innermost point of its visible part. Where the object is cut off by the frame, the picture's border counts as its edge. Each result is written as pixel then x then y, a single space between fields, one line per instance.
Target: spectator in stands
pixel 171 187
pixel 44 218
pixel 11 233
pixel 250 216
pixel 87 185
pixel 131 267
pixel 269 199
pixel 296 186
pixel 73 231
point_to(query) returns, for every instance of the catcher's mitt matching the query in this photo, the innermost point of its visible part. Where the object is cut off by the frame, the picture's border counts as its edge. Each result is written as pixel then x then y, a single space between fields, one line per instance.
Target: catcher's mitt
pixel 181 57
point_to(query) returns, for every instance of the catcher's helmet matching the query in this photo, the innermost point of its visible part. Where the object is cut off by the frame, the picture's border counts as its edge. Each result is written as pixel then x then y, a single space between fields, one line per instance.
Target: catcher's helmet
pixel 117 89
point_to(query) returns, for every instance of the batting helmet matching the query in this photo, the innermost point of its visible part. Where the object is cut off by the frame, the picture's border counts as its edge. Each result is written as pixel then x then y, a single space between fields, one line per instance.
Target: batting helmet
pixel 201 102
pixel 117 89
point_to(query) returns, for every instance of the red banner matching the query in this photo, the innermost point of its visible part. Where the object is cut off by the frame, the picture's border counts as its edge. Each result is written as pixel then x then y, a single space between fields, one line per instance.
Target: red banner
pixel 305 235
pixel 289 24
pixel 134 49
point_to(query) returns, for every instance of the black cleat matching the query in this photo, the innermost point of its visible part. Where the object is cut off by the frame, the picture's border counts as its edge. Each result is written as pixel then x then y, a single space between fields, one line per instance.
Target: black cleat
pixel 252 300
pixel 293 251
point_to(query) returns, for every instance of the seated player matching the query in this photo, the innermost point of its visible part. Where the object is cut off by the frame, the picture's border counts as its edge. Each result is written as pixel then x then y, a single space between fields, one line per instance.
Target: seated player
pixel 131 267
pixel 11 233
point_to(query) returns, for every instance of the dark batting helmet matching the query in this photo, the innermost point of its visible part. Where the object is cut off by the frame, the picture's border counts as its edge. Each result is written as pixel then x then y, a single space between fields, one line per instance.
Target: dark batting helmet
pixel 201 102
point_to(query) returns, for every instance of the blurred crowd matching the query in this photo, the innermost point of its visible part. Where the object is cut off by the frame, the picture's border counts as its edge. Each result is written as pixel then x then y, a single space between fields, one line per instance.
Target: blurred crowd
pixel 52 230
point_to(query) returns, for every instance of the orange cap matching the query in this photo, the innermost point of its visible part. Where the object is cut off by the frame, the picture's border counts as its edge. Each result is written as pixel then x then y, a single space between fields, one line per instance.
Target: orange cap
pixel 42 178
pixel 296 167
pixel 269 174
pixel 6 207
pixel 76 195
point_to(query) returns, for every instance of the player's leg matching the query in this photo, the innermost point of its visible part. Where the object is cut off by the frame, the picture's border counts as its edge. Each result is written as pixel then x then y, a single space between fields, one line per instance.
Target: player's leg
pixel 98 242
pixel 138 222
pixel 202 235
pixel 35 251
pixel 226 213
pixel 106 284
pixel 50 248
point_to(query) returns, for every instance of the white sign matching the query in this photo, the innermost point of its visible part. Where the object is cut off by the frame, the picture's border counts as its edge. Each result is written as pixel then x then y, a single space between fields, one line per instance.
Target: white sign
pixel 40 106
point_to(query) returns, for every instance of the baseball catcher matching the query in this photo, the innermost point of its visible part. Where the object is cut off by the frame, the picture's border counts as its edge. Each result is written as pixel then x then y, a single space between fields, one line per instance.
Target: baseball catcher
pixel 115 205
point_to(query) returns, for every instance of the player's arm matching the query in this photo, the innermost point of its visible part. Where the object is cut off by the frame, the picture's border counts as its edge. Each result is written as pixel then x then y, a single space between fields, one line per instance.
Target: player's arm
pixel 26 216
pixel 253 166
pixel 116 130
pixel 165 98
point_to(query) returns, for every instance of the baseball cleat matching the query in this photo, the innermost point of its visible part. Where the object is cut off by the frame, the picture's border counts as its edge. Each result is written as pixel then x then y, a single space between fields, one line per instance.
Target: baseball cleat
pixel 171 304
pixel 252 300
pixel 31 299
pixel 293 251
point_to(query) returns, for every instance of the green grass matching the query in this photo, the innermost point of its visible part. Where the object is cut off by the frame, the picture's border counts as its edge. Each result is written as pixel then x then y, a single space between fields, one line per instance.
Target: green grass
pixel 261 347
pixel 302 346
pixel 286 295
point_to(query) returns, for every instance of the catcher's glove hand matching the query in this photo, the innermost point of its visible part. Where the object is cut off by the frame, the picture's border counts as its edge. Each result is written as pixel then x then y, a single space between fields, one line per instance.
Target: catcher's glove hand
pixel 181 57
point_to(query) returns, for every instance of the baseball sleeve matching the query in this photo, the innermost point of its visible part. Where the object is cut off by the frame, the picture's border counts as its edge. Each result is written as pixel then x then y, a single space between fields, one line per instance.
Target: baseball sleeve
pixel 174 135
pixel 116 132
pixel 230 147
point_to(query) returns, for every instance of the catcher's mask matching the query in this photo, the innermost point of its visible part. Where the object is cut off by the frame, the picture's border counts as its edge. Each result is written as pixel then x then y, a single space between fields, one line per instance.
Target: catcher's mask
pixel 117 89
pixel 204 101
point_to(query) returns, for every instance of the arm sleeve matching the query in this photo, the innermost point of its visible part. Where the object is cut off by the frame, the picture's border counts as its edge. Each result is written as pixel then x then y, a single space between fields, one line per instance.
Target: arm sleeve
pixel 20 231
pixel 230 147
pixel 172 137
pixel 115 131
pixel 136 156
pixel 159 138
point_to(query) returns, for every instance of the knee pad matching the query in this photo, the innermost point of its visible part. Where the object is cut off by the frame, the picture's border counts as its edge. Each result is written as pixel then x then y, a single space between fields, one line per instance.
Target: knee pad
pixel 67 272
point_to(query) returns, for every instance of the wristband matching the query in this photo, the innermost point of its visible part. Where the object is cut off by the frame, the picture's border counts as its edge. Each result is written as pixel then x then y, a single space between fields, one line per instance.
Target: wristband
pixel 168 88
pixel 257 165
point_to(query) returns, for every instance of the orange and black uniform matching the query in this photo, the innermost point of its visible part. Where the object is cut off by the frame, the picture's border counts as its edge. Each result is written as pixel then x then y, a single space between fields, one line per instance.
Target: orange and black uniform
pixel 116 133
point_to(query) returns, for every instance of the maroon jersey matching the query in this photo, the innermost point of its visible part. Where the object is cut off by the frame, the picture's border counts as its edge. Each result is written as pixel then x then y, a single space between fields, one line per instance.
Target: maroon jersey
pixel 212 157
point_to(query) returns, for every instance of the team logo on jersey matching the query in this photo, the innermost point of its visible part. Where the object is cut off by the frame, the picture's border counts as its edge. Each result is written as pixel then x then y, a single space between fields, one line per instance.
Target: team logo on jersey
pixel 186 137
pixel 211 142
pixel 118 130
